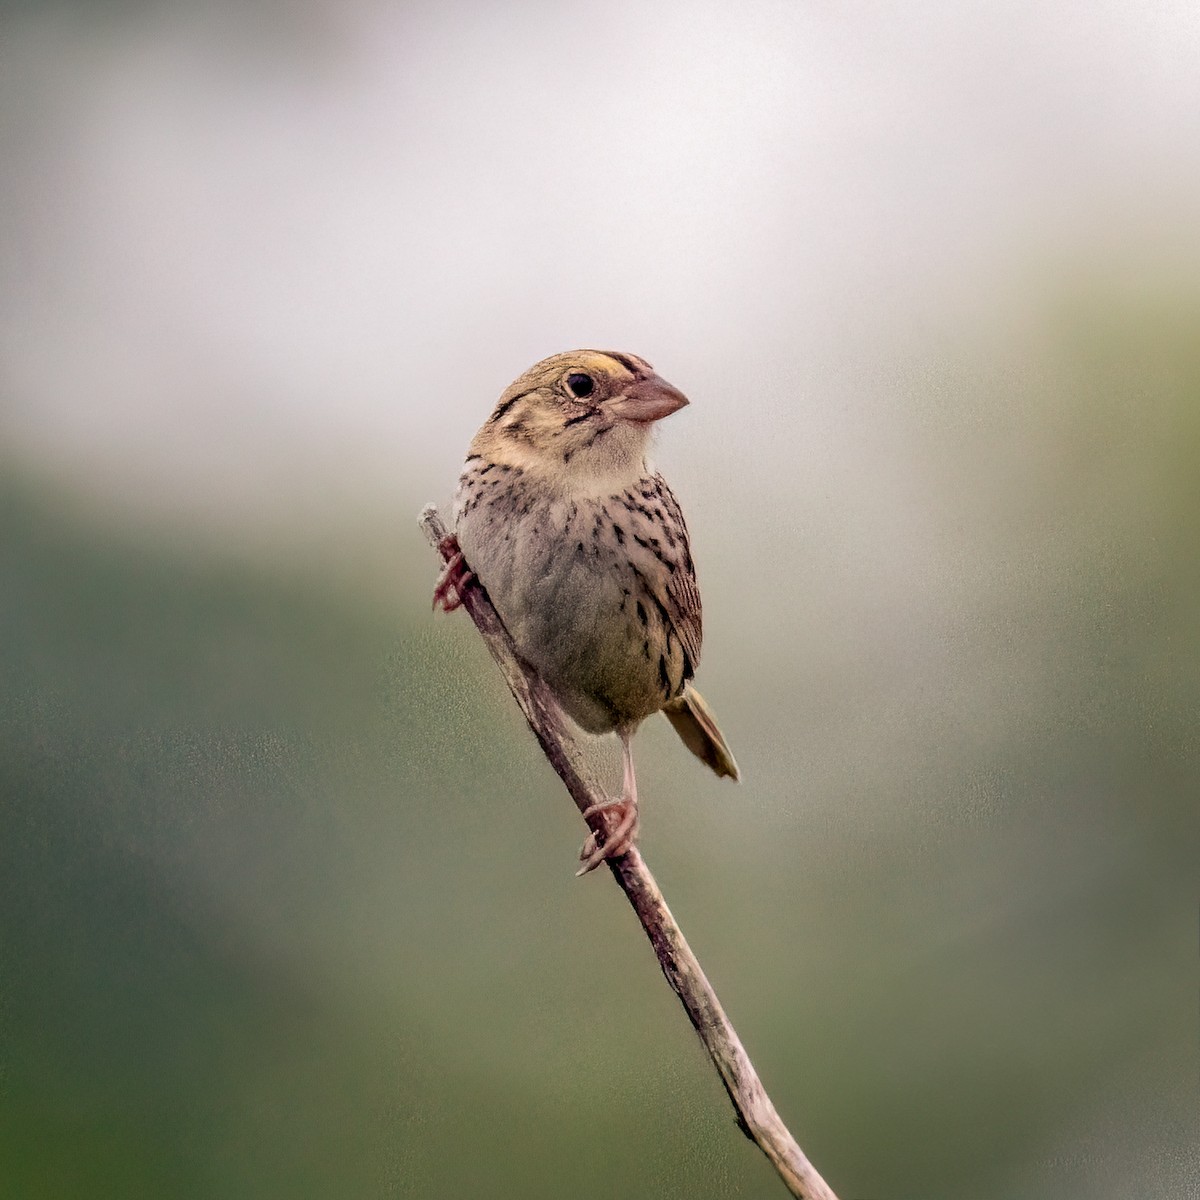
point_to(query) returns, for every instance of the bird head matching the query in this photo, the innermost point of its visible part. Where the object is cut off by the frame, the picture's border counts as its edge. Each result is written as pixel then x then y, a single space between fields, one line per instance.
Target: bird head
pixel 580 417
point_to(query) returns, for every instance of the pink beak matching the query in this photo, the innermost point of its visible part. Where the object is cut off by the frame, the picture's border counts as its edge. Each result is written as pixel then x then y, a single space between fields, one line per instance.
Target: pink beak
pixel 649 399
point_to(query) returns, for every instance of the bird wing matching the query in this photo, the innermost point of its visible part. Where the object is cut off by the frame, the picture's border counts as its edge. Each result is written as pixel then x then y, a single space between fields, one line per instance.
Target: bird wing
pixel 682 600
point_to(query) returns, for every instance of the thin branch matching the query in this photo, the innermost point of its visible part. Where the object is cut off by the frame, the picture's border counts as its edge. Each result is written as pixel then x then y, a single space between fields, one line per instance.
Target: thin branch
pixel 755 1112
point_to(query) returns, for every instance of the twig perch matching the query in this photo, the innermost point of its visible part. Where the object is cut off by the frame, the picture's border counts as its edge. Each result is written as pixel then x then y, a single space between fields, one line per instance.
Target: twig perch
pixel 755 1113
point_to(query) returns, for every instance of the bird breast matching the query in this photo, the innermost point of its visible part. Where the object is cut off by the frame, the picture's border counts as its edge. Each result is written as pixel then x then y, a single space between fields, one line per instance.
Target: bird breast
pixel 579 584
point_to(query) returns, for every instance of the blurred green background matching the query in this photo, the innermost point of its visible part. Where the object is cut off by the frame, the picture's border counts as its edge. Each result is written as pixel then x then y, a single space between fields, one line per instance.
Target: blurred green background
pixel 286 894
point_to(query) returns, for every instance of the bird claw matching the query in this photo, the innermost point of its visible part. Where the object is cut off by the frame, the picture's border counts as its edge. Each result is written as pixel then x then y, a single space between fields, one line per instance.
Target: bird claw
pixel 619 819
pixel 455 577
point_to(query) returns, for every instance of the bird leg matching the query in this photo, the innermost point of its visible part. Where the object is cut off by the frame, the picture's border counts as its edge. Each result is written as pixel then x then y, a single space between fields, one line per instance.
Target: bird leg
pixel 618 819
pixel 453 581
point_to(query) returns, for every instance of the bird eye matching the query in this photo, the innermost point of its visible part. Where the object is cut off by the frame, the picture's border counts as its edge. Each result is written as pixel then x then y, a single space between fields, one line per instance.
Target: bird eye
pixel 580 385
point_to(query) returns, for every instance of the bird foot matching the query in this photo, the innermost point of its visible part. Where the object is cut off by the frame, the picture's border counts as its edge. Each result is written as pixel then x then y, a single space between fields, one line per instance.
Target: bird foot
pixel 455 577
pixel 619 826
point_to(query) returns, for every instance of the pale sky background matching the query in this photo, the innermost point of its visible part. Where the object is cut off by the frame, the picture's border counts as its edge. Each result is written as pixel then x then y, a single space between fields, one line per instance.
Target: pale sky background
pixel 274 265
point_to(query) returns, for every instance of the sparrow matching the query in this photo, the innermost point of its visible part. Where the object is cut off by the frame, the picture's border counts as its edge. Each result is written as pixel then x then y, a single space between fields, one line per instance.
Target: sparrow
pixel 583 550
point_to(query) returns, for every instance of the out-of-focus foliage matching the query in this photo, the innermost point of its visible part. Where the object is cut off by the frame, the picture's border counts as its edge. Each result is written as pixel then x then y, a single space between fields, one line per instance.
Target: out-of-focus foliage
pixel 285 890
pixel 286 894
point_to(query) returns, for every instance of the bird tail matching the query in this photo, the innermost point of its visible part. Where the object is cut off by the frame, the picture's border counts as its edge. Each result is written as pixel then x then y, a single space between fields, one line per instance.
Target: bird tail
pixel 695 724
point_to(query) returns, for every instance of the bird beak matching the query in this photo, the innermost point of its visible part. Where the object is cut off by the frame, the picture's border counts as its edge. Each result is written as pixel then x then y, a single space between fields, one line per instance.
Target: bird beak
pixel 649 399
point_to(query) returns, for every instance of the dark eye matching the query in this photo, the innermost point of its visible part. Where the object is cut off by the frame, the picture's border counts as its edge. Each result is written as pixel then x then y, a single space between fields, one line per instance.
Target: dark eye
pixel 580 385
